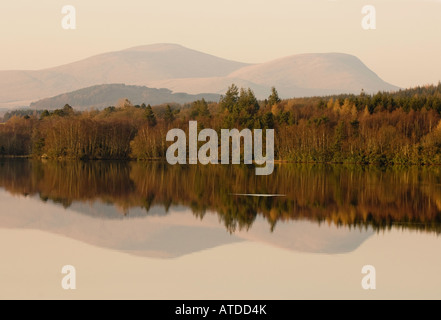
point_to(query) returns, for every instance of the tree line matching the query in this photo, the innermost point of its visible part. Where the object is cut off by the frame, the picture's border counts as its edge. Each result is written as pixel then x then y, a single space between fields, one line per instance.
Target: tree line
pixel 402 127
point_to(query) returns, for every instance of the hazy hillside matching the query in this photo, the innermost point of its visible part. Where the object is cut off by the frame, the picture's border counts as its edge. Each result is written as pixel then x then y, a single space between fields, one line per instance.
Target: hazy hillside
pixel 135 66
pixel 295 76
pixel 108 94
pixel 184 70
pixel 315 74
pixel 217 85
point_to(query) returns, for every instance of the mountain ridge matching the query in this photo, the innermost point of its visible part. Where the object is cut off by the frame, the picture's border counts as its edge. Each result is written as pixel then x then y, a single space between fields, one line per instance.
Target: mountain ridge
pixel 180 69
pixel 105 95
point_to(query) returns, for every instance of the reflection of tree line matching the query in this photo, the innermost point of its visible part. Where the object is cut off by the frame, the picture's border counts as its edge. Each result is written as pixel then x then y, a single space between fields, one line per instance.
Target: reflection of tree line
pixel 343 196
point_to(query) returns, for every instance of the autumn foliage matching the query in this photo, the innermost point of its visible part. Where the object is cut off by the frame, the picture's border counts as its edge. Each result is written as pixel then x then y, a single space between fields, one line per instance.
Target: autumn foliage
pixel 386 128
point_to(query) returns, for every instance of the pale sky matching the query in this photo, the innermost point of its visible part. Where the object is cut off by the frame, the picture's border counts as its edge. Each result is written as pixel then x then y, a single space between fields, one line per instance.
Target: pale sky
pixel 405 49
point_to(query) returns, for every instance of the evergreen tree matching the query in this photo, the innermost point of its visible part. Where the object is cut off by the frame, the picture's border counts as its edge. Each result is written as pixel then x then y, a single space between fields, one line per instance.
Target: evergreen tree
pixel 199 109
pixel 150 116
pixel 268 120
pixel 274 97
pixel 247 102
pixel 230 99
pixel 45 114
pixel 67 110
pixel 169 115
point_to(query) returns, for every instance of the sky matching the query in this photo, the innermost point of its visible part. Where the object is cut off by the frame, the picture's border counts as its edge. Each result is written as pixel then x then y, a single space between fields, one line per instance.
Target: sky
pixel 404 49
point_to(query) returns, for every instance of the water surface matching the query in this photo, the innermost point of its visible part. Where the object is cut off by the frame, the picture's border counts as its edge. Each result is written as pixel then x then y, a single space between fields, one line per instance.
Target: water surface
pixel 120 223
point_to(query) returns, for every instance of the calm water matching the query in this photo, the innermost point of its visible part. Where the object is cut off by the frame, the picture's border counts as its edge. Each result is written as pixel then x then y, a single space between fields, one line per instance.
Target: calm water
pixel 149 230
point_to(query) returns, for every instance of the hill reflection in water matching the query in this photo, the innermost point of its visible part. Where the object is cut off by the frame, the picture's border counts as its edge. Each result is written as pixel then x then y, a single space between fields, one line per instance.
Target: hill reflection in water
pixel 153 209
pixel 352 197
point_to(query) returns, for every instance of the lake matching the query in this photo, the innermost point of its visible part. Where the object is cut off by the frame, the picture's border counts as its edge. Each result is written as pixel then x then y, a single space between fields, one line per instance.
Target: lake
pixel 136 230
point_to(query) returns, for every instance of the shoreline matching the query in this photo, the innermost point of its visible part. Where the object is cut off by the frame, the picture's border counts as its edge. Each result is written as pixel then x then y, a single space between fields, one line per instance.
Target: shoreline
pixel 277 162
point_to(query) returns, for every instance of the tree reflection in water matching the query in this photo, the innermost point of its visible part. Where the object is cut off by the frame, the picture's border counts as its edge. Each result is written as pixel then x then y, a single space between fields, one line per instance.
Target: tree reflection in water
pixel 354 197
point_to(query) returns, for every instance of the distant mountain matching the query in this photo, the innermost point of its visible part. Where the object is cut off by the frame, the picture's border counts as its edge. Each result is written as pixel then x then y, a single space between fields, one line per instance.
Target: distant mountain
pixel 315 74
pixel 184 70
pixel 135 66
pixel 296 76
pixel 108 95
